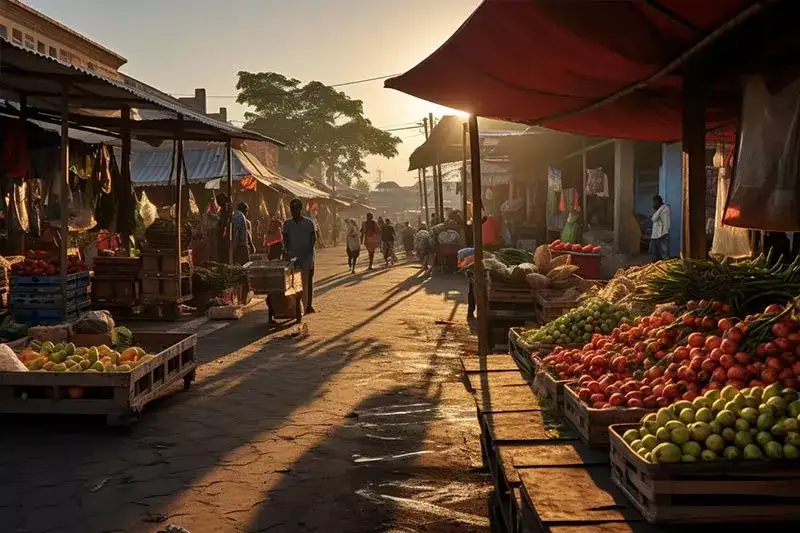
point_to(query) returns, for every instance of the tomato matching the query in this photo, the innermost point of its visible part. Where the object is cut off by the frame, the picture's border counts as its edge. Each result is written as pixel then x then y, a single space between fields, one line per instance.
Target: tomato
pixel 783 344
pixel 689 395
pixel 773 309
pixel 646 390
pixel 720 374
pixel 796 368
pixel 584 394
pixel 616 399
pixel 599 405
pixel 726 361
pixel 785 373
pixel 771 348
pixel 780 329
pixel 662 401
pixel 708 365
pixel 599 397
pixel 790 383
pixel 724 324
pixel 594 387
pixel 712 341
pixel 769 376
pixel 688 320
pixel 715 354
pixel 735 334
pixel 697 340
pixel 737 373
pixel 755 383
pixel 691 305
pixel 671 391
pixel 743 358
pixel 775 363
pixel 708 323
pixel 650 402
pixel 728 346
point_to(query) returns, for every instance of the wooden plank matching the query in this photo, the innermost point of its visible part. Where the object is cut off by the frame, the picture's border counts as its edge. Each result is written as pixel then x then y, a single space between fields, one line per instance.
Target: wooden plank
pixel 607 527
pixel 506 399
pixel 523 426
pixel 494 380
pixel 550 454
pixel 489 363
pixel 577 495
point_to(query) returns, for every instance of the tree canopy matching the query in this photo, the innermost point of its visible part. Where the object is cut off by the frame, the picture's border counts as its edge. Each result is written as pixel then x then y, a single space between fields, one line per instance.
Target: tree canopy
pixel 318 123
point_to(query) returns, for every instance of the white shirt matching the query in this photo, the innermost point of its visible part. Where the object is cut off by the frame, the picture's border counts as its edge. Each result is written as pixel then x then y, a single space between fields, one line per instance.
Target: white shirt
pixel 660 222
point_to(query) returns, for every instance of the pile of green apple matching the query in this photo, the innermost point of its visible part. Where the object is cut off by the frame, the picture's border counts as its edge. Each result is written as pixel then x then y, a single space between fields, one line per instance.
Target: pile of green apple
pixel 752 423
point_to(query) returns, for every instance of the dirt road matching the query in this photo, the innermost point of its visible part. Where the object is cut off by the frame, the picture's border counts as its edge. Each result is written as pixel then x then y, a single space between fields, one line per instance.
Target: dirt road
pixel 362 425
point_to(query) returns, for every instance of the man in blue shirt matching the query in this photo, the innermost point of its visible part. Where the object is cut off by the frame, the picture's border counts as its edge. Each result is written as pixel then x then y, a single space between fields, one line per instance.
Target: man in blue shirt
pixel 299 241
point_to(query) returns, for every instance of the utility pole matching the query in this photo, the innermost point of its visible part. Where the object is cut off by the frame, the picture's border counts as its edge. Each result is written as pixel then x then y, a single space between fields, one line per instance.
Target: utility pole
pixel 435 178
pixel 379 172
pixel 425 179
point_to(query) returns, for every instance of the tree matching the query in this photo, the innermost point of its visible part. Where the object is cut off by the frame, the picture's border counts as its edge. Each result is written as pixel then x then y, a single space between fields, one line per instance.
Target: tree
pixel 318 123
pixel 361 184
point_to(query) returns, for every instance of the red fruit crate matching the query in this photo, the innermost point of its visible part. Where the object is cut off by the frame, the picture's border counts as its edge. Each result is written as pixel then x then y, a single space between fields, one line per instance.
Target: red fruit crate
pixel 706 492
pixel 592 424
pixel 588 264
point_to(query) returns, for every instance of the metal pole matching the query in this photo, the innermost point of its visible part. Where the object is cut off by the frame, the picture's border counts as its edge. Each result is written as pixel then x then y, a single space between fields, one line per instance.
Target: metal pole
pixel 126 168
pixel 441 192
pixel 425 177
pixel 229 165
pixel 433 172
pixel 179 205
pixel 419 181
pixel 477 208
pixel 63 201
pixel 464 148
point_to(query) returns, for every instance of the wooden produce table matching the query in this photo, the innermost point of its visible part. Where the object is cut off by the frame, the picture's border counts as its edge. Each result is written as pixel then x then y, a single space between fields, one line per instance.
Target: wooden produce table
pixel 119 396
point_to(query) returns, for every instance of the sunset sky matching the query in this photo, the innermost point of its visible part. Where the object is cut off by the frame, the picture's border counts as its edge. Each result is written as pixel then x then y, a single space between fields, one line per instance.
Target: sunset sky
pixel 177 45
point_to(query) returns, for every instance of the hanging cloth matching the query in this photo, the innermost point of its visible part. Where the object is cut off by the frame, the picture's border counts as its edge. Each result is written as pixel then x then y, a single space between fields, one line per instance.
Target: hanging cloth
pixel 729 241
pixel 15 162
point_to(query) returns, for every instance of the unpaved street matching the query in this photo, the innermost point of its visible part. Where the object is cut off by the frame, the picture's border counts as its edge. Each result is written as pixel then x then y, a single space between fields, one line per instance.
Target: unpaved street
pixel 361 425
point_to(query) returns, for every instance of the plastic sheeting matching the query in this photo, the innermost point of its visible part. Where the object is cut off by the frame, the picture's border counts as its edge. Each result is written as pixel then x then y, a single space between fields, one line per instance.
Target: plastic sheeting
pixel 764 193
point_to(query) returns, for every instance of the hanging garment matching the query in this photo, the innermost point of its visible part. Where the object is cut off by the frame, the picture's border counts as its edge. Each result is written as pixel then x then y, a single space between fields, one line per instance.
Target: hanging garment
pixel 729 241
pixel 14 158
pixel 596 183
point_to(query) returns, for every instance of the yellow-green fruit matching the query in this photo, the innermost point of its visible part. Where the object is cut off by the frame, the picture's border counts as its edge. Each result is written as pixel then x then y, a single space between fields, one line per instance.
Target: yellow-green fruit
pixel 109 367
pixel 75 368
pixel 48 345
pixel 94 355
pixel 60 367
pixel 91 370
pixel 98 366
pixel 85 364
pixel 58 347
pixel 666 452
pixel 69 348
pixel 649 442
pixel 123 368
pixel 58 356
pixel 630 436
pixel 76 358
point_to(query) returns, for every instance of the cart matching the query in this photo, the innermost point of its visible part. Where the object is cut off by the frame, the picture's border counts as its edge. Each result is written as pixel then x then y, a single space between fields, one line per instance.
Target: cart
pixel 281 282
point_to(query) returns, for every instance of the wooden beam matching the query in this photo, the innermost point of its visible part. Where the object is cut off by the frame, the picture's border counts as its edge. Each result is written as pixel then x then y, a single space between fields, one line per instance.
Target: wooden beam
pixel 481 303
pixel 179 202
pixel 64 200
pixel 229 164
pixel 126 171
pixel 464 156
pixel 694 161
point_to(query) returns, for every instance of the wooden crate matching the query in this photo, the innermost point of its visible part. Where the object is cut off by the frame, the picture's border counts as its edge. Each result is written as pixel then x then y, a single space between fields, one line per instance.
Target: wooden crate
pixel 548 309
pixel 273 277
pixel 499 291
pixel 550 389
pixel 706 492
pixel 116 291
pixel 592 424
pixel 165 289
pixel 166 263
pixel 116 267
pixel 116 395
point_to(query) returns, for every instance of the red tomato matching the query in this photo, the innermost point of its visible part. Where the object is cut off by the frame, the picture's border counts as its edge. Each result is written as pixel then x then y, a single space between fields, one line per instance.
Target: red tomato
pixel 735 334
pixel 728 346
pixel 691 305
pixel 775 363
pixel 616 399
pixel 635 403
pixel 743 358
pixel 696 340
pixel 584 394
pixel 769 376
pixel 712 341
pixel 708 365
pixel 650 402
pixel 599 397
pixel 662 401
pixel 783 344
pixel 671 391
pixel 790 383
pixel 773 309
pixel 726 361
pixel 594 387
pixel 724 324
pixel 737 373
pixel 720 375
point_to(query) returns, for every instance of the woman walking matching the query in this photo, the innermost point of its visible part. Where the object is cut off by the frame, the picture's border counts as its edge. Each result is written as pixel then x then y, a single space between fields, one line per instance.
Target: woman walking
pixel 370 237
pixel 387 243
pixel 353 245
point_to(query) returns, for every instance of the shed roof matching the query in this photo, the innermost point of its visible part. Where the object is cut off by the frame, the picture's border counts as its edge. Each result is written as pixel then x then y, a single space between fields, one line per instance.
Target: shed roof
pixel 95 100
pixel 152 167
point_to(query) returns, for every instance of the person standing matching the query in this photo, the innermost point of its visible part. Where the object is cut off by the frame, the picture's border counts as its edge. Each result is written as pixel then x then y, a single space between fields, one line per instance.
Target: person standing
pixel 273 240
pixel 370 236
pixel 659 237
pixel 353 245
pixel 223 227
pixel 242 235
pixel 387 242
pixel 469 242
pixel 407 235
pixel 300 240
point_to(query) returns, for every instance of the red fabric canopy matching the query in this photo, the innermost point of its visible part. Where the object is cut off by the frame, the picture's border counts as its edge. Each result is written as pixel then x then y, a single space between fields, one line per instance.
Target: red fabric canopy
pixel 544 61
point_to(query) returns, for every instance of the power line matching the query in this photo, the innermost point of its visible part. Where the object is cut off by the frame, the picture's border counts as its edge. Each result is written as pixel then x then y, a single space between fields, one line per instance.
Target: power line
pixel 344 84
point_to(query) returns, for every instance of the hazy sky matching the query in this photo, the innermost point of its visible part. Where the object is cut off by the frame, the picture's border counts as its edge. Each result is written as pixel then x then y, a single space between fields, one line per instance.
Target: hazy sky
pixel 177 45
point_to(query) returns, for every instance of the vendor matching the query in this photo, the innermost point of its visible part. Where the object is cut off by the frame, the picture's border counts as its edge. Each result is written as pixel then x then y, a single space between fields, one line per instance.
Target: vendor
pixel 273 240
pixel 490 233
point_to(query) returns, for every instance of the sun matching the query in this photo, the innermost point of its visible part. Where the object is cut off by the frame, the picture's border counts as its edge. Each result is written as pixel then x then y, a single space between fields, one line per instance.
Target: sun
pixel 441 110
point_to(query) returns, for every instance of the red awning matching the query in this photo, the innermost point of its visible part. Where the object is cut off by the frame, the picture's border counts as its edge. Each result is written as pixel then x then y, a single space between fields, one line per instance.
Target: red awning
pixel 556 62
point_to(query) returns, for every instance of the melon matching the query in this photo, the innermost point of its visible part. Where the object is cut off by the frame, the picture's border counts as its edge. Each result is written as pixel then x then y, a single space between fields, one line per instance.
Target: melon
pixel 537 281
pixel 560 260
pixel 562 272
pixel 542 258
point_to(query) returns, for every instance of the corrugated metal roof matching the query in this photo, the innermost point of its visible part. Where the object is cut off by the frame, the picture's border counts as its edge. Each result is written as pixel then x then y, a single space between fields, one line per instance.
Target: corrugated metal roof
pixel 278 181
pixel 202 165
pixel 43 80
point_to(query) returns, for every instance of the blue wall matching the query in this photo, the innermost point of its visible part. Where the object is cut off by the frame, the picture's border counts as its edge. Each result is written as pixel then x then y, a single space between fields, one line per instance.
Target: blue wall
pixel 671 190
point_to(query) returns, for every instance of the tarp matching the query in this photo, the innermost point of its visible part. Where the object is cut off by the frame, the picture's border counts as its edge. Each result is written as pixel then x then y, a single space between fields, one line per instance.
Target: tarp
pixel 573 65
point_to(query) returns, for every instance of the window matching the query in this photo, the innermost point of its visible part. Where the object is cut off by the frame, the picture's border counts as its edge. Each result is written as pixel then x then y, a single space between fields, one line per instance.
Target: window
pixel 66 57
pixel 16 36
pixel 53 52
pixel 40 46
pixel 30 42
pixel 3 32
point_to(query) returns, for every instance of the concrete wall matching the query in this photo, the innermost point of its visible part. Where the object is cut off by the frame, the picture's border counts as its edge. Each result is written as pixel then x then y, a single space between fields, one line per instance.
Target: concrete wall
pixel 671 190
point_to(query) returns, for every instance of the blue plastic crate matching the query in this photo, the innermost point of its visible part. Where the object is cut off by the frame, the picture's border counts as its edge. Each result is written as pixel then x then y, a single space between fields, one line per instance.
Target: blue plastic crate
pixel 52 314
pixel 20 298
pixel 50 283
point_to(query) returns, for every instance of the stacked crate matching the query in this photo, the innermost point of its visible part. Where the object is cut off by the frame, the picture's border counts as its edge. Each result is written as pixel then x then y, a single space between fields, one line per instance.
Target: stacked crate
pixel 166 279
pixel 115 286
pixel 38 299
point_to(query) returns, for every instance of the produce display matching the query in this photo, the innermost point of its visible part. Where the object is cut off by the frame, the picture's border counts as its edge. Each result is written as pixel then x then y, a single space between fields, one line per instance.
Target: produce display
pixel 727 424
pixel 747 286
pixel 162 234
pixel 216 277
pixel 66 357
pixel 560 246
pixel 42 265
pixel 578 326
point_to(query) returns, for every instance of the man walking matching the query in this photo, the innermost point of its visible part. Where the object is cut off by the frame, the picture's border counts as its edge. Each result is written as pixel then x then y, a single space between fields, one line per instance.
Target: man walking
pixel 299 241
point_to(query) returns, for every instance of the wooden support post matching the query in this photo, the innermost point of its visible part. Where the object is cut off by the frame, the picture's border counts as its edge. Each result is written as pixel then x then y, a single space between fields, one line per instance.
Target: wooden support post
pixel 441 193
pixel 229 165
pixel 584 168
pixel 695 93
pixel 481 303
pixel 64 200
pixel 125 113
pixel 419 181
pixel 464 154
pixel 624 154
pixel 425 195
pixel 179 203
